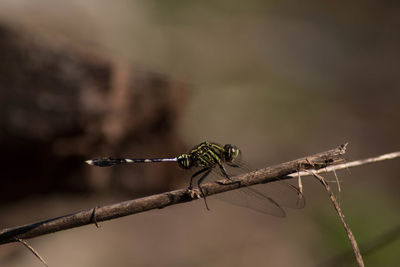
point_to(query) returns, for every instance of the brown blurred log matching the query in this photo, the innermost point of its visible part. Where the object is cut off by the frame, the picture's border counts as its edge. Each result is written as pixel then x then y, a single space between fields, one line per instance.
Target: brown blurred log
pixel 60 105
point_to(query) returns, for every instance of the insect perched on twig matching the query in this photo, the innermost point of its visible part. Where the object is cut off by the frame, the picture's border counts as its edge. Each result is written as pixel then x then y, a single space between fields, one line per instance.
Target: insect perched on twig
pixel 209 157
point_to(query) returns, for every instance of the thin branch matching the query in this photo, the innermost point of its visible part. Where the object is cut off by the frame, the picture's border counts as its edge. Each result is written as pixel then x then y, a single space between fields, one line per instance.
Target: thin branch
pixel 333 168
pixel 349 233
pixel 91 216
pixel 351 164
pixel 31 249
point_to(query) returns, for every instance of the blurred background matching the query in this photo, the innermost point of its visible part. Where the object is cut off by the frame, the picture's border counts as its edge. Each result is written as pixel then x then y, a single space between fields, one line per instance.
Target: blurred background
pixel 280 79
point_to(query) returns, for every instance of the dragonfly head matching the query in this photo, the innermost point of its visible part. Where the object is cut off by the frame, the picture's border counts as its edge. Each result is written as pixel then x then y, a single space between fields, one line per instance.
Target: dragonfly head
pixel 185 161
pixel 231 153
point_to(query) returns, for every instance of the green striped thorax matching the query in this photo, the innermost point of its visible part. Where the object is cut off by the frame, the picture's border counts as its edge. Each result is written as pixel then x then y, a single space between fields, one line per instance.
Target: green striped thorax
pixel 208 154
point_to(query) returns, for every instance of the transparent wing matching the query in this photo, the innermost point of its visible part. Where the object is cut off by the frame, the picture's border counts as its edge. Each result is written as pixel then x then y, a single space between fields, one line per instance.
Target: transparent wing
pixel 253 199
pixel 266 198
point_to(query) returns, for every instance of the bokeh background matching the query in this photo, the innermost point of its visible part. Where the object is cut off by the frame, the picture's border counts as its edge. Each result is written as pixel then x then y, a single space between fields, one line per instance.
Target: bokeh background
pixel 280 79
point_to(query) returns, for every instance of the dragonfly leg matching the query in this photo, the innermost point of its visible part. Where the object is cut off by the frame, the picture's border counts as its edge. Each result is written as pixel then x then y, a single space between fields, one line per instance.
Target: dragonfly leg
pixel 207 172
pixel 223 170
pixel 232 165
pixel 196 174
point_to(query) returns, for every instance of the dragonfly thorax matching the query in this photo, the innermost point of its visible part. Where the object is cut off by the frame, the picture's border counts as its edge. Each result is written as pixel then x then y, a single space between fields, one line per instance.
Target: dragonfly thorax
pixel 208 155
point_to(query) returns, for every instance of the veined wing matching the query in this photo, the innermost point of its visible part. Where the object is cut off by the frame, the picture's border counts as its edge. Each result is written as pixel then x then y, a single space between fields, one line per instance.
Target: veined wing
pixel 265 198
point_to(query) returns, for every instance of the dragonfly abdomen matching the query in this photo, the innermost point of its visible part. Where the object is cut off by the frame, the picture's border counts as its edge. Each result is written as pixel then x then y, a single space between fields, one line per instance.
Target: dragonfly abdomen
pixel 107 162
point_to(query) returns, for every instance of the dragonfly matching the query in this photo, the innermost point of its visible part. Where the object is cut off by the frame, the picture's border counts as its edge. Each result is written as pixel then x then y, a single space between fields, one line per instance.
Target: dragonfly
pixel 209 158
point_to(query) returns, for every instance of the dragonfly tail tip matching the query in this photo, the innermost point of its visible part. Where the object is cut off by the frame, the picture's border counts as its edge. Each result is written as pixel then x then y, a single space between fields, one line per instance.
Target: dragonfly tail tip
pixel 90 162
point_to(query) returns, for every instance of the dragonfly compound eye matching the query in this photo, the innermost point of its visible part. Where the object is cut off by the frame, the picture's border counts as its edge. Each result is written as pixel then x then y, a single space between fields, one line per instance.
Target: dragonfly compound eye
pixel 185 161
pixel 231 153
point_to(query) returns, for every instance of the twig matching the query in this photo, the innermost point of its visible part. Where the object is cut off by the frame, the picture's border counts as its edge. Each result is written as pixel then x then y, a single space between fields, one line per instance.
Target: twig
pixel 266 175
pixel 341 216
pixel 32 250
pixel 351 164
